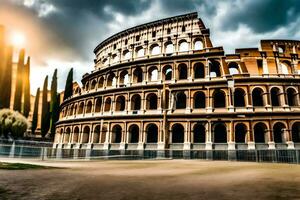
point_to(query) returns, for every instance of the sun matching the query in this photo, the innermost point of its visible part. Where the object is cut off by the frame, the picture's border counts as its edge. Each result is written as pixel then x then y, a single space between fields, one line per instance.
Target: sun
pixel 17 39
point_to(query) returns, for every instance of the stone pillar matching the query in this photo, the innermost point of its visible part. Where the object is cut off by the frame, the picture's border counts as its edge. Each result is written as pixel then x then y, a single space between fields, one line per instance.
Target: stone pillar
pixel 187 138
pixel 107 138
pixel 208 144
pixel 288 136
pixel 231 143
pixel 208 101
pixel 271 142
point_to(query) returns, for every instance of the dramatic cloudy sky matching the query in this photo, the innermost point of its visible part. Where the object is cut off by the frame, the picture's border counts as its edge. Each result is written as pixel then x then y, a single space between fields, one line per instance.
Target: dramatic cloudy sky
pixel 63 33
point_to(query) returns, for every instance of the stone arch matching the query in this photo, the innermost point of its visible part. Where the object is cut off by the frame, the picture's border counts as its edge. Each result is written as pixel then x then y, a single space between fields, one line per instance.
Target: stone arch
pixel 275 96
pixel 81 106
pixel 214 69
pixel 285 67
pixel 177 133
pixel 137 75
pixel 98 104
pixel 260 132
pixel 76 135
pixel 219 99
pixel 124 78
pixel 296 132
pixel 87 85
pixel 134 132
pixel 183 46
pixel 292 97
pixel 199 100
pixel 167 73
pixel 152 133
pixel 240 133
pixel 89 107
pixel 220 133
pixel 116 134
pixel 257 97
pixel 101 82
pixel 233 68
pixel 103 134
pixel 151 101
pixel 198 44
pixel 96 134
pixel 111 80
pixel 136 102
pixel 93 84
pixel 86 134
pixel 152 73
pixel 239 97
pixel 182 71
pixel 67 135
pixel 278 132
pixel 120 103
pixel 107 104
pixel 169 47
pixel 199 70
pixel 75 109
pixel 180 98
pixel 127 55
pixel 140 52
pixel 199 133
pixel 155 49
pixel 71 110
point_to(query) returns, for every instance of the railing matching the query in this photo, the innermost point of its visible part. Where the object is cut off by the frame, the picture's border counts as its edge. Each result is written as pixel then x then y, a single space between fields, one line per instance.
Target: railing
pixel 43 153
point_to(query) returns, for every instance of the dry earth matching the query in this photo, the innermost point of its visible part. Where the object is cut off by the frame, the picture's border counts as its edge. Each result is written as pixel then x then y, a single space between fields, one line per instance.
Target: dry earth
pixel 161 179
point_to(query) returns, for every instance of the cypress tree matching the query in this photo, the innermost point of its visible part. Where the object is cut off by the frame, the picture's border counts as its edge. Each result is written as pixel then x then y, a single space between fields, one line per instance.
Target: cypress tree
pixel 69 85
pixel 54 105
pixel 45 109
pixel 35 112
pixel 19 80
pixel 26 86
pixel 6 80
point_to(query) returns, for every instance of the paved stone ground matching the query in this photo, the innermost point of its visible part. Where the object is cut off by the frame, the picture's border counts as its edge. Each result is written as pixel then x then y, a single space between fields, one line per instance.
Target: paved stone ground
pixel 153 180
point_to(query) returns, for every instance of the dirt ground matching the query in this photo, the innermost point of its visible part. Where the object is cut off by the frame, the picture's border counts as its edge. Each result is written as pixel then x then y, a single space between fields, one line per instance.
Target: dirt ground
pixel 157 179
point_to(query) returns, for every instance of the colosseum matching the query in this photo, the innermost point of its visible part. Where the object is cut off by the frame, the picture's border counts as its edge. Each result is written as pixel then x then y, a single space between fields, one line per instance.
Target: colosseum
pixel 163 85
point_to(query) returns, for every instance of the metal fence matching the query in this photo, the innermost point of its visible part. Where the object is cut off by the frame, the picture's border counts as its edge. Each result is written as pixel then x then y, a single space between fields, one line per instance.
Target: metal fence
pixel 276 156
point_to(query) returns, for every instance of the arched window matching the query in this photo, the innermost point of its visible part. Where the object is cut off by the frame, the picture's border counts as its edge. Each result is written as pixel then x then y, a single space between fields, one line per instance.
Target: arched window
pixel 167 71
pixel 120 103
pixel 183 46
pixel 219 99
pixel 296 132
pixel 107 104
pixel 155 49
pixel 140 52
pixel 115 58
pixel 199 70
pixel 111 80
pixel 67 135
pixel 278 132
pixel 152 133
pixel 180 100
pixel 137 75
pixel 260 130
pixel 100 82
pixel 239 97
pixel 116 134
pixel 127 55
pixel 240 132
pixel 134 133
pixel 136 102
pixel 75 109
pixel 214 69
pixel 96 134
pixel 124 78
pixel 151 101
pixel 199 100
pixel 153 74
pixel 86 134
pixel 89 106
pixel 103 134
pixel 199 133
pixel 292 97
pixel 177 133
pixel 285 68
pixel 257 97
pixel 169 48
pixel 198 45
pixel 220 133
pixel 71 110
pixel 182 71
pixel 76 135
pixel 233 68
pixel 80 110
pixel 98 104
pixel 93 84
pixel 87 85
pixel 275 96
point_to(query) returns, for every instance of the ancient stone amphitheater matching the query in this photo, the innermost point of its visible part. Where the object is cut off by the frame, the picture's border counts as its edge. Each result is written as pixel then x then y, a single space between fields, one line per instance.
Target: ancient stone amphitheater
pixel 163 85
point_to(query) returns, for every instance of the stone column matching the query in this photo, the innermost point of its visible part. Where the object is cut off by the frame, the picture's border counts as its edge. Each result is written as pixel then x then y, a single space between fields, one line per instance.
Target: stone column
pixel 208 144
pixel 231 143
pixel 187 137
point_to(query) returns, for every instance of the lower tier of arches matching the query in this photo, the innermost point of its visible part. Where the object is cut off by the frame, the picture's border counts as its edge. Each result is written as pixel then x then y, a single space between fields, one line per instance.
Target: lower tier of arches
pixel 157 134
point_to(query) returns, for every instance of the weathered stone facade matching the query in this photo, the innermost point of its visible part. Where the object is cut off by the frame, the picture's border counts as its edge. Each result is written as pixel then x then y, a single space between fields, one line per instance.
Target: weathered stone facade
pixel 163 85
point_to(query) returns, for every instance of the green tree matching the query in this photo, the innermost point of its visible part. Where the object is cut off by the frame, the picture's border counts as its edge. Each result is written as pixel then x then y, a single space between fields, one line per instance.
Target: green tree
pixel 26 86
pixel 54 104
pixel 45 122
pixel 6 80
pixel 35 112
pixel 19 80
pixel 69 85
